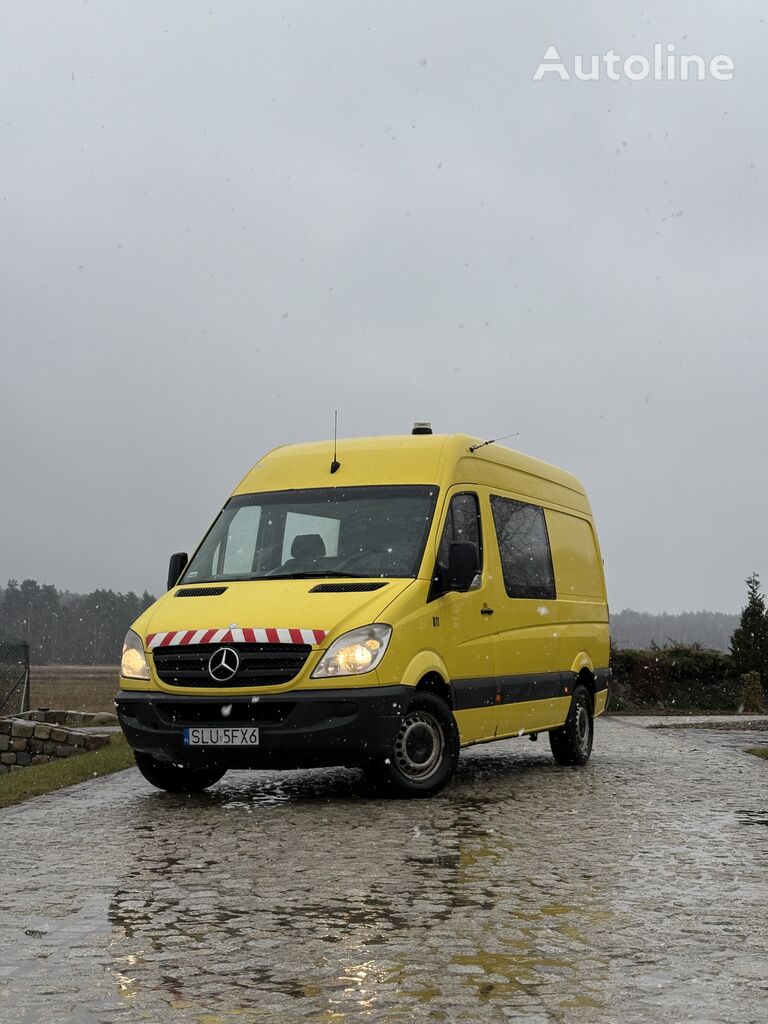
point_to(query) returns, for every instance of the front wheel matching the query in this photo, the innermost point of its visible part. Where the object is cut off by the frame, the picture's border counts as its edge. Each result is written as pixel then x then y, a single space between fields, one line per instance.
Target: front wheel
pixel 572 743
pixel 175 778
pixel 425 752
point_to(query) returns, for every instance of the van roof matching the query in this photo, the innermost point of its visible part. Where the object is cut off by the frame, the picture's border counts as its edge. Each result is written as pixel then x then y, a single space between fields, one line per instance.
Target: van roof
pixel 441 459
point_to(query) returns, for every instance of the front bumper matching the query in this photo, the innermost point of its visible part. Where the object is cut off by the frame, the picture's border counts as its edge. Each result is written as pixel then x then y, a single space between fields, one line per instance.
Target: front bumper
pixel 297 729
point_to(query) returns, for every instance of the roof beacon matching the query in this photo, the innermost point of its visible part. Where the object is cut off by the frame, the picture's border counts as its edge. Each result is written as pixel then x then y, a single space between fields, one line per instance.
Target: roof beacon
pixel 422 427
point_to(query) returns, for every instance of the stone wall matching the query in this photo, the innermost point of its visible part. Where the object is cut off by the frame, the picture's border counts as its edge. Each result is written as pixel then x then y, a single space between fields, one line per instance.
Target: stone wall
pixel 74 718
pixel 25 742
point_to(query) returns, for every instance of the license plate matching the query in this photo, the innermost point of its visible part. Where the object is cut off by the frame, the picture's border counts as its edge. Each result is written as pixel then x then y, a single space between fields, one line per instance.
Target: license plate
pixel 231 736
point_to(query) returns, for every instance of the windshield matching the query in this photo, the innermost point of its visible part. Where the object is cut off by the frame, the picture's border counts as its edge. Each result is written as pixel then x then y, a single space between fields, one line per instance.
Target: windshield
pixel 322 532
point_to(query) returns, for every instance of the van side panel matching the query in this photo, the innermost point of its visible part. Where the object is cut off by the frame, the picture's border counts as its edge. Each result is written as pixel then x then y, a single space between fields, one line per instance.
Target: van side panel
pixel 577 564
pixel 531 716
pixel 581 609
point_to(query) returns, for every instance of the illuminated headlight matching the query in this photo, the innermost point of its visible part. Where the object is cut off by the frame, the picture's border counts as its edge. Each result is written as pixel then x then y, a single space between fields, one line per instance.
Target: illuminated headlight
pixel 355 652
pixel 134 661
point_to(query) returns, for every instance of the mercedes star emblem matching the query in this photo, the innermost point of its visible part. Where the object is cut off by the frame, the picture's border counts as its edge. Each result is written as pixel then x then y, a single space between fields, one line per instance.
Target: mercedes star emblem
pixel 223 664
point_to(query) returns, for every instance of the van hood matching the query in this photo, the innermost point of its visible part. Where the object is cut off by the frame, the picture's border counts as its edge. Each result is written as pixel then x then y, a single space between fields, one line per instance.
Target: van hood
pixel 320 608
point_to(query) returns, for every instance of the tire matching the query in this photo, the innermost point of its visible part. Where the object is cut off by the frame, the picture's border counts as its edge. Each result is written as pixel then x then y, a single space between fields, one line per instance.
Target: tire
pixel 425 752
pixel 572 743
pixel 175 778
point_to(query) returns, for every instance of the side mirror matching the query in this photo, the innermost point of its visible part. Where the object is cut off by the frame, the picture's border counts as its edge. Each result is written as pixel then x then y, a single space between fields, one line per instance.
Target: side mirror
pixel 176 567
pixel 463 565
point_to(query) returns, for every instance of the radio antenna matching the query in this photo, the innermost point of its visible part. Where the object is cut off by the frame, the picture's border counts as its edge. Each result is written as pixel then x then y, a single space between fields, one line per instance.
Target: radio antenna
pixel 335 464
pixel 475 447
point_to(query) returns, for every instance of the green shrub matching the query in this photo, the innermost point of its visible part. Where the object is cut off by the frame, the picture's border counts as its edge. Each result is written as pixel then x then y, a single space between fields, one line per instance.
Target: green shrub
pixel 752 697
pixel 684 677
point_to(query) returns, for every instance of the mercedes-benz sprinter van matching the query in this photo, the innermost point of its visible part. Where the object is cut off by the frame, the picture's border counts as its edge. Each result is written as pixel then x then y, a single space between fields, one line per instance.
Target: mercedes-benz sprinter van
pixel 382 606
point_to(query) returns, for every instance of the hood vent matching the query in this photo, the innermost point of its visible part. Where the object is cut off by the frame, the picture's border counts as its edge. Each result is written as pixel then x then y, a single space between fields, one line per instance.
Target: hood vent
pixel 200 592
pixel 345 588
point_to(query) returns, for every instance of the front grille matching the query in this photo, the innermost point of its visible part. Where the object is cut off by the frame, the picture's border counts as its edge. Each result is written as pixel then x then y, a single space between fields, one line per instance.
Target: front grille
pixel 345 588
pixel 200 592
pixel 260 664
pixel 178 712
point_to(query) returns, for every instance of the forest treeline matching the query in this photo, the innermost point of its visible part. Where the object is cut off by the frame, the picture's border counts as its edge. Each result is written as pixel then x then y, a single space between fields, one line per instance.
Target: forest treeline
pixel 65 628
pixel 641 630
pixel 88 629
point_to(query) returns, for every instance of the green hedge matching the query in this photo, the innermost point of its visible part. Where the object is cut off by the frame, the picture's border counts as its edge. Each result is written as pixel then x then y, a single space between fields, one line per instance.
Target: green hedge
pixel 681 677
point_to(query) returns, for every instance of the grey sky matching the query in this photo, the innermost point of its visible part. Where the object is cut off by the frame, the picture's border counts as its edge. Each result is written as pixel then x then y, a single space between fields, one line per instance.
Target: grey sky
pixel 221 221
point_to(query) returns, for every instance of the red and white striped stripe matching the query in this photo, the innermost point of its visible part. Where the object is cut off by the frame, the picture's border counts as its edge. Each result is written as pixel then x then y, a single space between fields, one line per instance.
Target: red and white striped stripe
pixel 182 637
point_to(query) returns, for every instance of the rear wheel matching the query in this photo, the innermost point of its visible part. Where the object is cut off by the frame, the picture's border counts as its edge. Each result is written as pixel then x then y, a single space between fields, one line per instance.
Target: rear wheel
pixel 176 778
pixel 425 752
pixel 572 744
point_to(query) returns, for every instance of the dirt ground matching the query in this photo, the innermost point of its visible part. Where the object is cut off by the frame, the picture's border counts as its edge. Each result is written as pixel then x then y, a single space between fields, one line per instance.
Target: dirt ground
pixel 73 687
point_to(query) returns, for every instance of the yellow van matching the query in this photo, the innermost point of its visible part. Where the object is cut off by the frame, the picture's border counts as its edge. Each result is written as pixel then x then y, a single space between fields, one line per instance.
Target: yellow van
pixel 380 606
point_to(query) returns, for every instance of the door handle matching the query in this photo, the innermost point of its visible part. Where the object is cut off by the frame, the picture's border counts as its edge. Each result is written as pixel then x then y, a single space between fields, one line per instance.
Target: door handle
pixel 485 610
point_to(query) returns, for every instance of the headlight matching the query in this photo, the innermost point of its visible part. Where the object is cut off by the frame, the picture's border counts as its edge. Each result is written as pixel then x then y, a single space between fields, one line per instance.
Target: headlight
pixel 134 661
pixel 355 652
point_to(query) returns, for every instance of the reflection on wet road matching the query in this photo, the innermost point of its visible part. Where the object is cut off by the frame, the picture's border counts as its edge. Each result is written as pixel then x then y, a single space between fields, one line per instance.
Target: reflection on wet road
pixel 634 889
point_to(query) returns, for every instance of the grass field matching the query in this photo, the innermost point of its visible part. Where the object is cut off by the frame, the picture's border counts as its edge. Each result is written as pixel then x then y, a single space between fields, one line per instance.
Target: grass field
pixel 758 752
pixel 37 779
pixel 73 687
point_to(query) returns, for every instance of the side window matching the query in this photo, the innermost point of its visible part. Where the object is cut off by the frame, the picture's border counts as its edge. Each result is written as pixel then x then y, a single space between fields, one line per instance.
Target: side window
pixel 461 524
pixel 526 558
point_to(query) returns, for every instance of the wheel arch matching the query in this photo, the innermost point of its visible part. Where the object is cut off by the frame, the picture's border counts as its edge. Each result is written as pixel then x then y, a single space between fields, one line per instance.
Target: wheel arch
pixel 587 679
pixel 423 665
pixel 434 683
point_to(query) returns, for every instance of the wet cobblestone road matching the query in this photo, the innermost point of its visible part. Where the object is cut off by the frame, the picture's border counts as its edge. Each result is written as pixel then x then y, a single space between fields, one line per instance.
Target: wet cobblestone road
pixel 633 890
